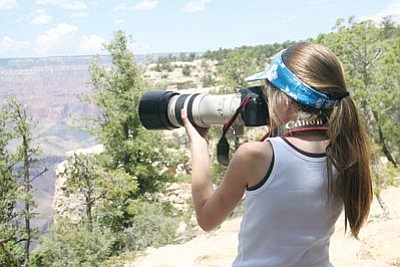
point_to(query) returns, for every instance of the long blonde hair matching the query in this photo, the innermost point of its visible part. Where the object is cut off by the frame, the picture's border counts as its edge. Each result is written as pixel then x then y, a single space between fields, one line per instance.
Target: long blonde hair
pixel 349 149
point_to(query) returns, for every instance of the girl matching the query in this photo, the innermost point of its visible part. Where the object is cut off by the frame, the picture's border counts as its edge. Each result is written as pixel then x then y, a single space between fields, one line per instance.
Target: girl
pixel 297 182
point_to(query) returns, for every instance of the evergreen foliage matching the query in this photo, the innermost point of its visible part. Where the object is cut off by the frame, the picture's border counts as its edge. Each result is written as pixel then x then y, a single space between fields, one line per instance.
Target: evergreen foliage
pixel 117 94
pixel 10 254
pixel 234 65
pixel 16 230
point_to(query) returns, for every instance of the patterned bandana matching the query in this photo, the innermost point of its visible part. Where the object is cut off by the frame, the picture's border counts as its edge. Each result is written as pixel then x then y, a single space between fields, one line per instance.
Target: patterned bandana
pixel 285 80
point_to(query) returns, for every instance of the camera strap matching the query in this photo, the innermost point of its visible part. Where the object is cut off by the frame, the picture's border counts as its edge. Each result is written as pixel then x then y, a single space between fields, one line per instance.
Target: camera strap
pixel 298 126
pixel 223 145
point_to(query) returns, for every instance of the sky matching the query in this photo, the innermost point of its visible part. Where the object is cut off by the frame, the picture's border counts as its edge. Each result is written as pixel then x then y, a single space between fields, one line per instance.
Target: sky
pixel 42 28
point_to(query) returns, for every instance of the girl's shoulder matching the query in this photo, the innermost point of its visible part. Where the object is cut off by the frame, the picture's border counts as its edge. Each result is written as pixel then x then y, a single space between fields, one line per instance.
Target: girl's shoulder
pixel 255 154
pixel 255 158
pixel 255 149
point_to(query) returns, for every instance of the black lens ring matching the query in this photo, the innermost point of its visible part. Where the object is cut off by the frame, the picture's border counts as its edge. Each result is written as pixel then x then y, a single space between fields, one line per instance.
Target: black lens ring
pixel 189 109
pixel 179 104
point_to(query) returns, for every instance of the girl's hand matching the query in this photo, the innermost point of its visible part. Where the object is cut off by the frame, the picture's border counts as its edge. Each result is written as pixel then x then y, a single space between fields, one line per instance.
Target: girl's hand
pixel 195 134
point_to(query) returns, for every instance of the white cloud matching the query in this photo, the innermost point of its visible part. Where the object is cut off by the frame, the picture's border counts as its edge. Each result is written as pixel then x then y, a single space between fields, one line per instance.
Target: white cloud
pixel 10 47
pixel 56 39
pixel 391 10
pixel 42 17
pixel 91 44
pixel 144 5
pixel 65 4
pixel 8 4
pixel 195 6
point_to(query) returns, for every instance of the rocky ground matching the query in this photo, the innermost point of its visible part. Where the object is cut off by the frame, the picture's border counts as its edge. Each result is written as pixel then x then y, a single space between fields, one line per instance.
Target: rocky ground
pixel 379 244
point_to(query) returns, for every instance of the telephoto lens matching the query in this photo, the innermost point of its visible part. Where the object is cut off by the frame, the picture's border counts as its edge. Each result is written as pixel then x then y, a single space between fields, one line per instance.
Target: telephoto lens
pixel 161 110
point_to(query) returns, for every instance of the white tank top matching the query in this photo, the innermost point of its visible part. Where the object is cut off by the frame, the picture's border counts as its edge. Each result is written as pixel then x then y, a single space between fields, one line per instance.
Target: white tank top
pixel 288 220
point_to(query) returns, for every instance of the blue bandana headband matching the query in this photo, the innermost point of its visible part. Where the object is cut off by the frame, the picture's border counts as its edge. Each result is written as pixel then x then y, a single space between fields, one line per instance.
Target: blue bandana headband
pixel 284 79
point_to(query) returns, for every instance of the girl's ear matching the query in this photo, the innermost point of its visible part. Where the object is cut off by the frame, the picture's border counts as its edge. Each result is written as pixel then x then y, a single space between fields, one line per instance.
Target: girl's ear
pixel 292 108
pixel 290 105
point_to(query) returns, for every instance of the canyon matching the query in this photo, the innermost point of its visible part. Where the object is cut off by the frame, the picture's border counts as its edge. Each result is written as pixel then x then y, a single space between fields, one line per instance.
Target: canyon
pixel 48 89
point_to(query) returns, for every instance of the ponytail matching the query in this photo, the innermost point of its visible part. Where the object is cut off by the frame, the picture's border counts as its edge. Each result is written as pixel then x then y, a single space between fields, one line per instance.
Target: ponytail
pixel 349 152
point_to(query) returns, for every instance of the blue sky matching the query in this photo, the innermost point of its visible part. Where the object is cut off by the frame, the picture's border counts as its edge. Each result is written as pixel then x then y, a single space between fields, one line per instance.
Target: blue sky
pixel 76 27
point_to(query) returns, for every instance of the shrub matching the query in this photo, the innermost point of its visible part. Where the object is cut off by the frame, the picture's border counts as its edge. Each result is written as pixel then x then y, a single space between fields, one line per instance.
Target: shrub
pixel 74 246
pixel 186 70
pixel 208 80
pixel 151 227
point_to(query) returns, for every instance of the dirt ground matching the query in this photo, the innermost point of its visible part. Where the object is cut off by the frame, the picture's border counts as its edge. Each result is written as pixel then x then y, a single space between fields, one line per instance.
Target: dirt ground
pixel 379 244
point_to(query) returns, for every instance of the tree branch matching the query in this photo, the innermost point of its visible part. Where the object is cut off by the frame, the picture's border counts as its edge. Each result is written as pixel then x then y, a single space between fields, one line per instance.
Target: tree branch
pixel 38 175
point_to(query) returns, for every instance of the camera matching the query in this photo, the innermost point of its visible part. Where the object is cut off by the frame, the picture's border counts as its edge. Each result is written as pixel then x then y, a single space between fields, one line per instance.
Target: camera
pixel 160 110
